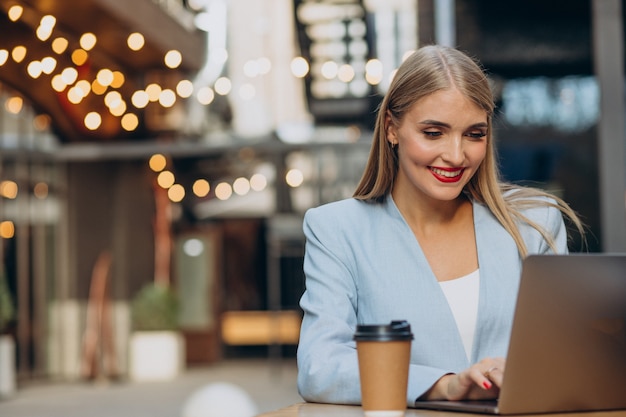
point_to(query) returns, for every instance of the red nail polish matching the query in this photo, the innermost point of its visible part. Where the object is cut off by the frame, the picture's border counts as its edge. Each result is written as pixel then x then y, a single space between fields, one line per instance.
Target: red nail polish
pixel 487 384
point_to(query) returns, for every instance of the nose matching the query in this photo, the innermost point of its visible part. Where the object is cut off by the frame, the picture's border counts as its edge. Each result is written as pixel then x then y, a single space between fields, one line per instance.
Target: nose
pixel 454 153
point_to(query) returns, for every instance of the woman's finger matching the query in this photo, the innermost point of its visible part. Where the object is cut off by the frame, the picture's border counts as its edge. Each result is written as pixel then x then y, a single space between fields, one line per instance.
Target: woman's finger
pixel 495 371
pixel 495 375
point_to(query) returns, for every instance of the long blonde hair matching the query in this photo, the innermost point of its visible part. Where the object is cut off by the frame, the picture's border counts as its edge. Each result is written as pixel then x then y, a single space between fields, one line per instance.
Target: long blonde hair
pixel 430 69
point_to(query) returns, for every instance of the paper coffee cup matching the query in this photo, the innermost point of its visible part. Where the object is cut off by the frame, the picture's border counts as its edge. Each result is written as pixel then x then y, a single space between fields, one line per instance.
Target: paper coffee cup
pixel 384 353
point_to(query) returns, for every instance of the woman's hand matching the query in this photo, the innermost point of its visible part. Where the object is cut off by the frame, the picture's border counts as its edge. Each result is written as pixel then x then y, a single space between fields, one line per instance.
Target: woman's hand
pixel 480 381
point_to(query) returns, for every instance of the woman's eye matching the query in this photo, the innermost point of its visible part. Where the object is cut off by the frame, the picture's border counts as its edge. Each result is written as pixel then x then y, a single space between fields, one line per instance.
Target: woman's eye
pixel 432 133
pixel 477 135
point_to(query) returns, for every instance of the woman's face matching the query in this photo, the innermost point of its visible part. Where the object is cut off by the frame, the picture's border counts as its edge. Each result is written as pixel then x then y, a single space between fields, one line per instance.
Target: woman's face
pixel 441 142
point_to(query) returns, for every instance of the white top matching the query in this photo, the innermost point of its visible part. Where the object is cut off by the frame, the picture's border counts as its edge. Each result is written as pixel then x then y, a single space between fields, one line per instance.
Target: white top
pixel 462 296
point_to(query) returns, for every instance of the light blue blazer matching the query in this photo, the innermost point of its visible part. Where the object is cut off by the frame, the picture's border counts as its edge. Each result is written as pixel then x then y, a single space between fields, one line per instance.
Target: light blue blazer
pixel 363 264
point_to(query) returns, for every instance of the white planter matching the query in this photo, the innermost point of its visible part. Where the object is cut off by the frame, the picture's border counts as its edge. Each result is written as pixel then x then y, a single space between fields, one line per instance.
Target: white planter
pixel 7 366
pixel 156 355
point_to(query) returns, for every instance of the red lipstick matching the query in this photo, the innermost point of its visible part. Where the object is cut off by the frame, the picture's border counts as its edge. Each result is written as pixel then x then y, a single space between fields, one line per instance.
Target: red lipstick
pixel 447 175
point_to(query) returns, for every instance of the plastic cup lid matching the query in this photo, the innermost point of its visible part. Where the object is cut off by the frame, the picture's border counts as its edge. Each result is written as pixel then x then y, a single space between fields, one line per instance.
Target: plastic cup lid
pixel 396 330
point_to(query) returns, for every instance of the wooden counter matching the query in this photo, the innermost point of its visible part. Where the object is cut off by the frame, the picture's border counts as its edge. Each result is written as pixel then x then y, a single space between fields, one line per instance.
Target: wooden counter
pixel 332 410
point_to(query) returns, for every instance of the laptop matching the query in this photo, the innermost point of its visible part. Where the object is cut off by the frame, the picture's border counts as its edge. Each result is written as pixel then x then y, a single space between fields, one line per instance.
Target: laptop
pixel 567 350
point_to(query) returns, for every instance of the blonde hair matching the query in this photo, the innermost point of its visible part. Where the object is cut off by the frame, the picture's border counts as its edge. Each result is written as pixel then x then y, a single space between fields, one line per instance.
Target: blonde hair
pixel 430 69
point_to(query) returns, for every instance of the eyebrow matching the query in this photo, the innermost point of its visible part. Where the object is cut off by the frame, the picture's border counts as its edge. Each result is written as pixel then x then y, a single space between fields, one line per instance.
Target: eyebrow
pixel 442 124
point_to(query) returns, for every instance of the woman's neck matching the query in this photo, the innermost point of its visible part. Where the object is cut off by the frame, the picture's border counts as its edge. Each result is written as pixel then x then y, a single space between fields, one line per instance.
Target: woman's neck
pixel 428 212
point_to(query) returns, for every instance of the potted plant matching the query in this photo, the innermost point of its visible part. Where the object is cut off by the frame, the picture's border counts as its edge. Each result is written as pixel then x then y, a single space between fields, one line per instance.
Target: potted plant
pixel 157 348
pixel 7 343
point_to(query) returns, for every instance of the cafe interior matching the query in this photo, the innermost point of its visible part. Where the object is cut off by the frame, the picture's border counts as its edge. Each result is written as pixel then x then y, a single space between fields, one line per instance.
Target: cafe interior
pixel 179 143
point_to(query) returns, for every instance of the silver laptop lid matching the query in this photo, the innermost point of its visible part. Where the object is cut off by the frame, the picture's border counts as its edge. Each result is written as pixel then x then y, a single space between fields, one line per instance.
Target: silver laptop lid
pixel 568 344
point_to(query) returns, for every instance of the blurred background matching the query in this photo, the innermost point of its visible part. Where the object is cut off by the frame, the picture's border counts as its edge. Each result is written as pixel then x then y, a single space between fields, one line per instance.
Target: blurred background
pixel 157 156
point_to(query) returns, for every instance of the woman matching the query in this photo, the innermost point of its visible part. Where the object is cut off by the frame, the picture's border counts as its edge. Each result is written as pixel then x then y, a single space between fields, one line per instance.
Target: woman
pixel 431 236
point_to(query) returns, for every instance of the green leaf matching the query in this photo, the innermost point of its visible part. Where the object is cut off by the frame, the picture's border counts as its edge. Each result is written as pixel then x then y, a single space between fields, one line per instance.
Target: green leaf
pixel 155 308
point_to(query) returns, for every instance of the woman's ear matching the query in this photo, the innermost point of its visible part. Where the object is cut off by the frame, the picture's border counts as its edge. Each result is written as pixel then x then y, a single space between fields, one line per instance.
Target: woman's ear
pixel 390 130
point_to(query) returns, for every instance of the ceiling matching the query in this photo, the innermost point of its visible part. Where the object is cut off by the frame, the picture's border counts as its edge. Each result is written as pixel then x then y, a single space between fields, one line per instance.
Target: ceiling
pixel 111 21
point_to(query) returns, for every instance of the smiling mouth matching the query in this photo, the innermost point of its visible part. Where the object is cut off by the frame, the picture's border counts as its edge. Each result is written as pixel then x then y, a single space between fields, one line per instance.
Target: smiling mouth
pixel 450 174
